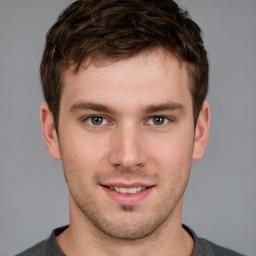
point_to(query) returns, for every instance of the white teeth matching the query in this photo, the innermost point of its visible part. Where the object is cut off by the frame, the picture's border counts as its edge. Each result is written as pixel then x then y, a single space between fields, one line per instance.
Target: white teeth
pixel 123 190
pixel 139 189
pixel 127 190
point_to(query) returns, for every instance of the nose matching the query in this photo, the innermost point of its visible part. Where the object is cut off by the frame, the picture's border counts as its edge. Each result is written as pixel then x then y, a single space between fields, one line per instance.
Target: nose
pixel 128 150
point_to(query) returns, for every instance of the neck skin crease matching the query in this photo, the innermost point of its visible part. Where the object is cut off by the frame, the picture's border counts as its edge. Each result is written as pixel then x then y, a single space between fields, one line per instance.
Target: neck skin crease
pixel 82 239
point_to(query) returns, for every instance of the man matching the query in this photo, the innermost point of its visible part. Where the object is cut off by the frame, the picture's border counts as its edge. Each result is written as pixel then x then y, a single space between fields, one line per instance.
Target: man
pixel 125 85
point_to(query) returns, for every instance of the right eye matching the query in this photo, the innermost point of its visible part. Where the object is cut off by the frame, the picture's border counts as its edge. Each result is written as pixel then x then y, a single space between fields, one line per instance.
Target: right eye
pixel 96 120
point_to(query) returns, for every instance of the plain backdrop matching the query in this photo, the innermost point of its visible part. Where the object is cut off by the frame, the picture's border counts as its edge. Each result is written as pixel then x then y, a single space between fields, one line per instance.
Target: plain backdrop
pixel 220 201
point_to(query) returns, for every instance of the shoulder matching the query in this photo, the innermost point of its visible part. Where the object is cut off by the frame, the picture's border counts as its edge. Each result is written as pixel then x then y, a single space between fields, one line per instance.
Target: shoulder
pixel 203 247
pixel 47 247
pixel 37 250
pixel 206 246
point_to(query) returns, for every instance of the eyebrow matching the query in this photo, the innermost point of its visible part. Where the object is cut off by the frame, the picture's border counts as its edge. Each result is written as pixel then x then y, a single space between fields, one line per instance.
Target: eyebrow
pixel 80 106
pixel 171 106
pixel 91 106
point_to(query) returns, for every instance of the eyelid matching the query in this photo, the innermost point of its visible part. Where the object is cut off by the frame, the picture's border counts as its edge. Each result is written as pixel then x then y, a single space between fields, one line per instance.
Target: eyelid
pixel 167 119
pixel 107 121
pixel 87 118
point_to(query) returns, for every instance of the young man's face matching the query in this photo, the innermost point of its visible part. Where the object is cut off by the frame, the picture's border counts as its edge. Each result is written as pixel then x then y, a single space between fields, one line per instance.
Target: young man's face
pixel 126 139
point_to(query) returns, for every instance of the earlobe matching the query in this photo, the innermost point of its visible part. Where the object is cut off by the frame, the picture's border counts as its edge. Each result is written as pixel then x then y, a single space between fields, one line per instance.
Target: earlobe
pixel 201 132
pixel 49 131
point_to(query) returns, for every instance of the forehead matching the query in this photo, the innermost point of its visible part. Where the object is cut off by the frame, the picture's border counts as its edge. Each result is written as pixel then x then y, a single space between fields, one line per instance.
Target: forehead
pixel 146 78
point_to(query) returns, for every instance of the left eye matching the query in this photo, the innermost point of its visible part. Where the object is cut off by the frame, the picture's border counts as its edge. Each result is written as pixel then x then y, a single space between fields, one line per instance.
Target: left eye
pixel 96 120
pixel 158 120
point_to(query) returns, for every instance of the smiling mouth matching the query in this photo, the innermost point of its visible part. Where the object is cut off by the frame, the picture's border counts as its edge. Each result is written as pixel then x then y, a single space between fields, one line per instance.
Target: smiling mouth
pixel 127 190
pixel 128 194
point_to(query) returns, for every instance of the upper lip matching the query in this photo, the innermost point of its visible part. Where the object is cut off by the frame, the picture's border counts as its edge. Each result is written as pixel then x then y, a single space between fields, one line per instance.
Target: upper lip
pixel 127 185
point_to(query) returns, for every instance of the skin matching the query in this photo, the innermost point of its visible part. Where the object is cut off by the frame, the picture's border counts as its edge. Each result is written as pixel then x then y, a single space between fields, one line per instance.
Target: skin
pixel 143 134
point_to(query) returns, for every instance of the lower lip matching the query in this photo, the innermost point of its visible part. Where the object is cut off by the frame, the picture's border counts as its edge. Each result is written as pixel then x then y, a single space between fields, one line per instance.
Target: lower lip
pixel 128 199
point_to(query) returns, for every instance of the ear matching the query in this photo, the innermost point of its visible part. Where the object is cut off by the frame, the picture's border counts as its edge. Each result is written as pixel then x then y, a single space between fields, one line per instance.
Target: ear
pixel 49 132
pixel 201 132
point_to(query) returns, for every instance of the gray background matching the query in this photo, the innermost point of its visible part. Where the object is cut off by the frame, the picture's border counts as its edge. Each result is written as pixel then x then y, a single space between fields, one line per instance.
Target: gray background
pixel 220 202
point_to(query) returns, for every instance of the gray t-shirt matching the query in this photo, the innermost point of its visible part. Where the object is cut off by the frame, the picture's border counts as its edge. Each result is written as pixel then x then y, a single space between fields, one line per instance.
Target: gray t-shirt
pixel 202 247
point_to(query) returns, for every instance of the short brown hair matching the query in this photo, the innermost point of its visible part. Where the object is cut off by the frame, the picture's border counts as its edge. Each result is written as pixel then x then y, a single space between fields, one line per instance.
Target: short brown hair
pixel 115 30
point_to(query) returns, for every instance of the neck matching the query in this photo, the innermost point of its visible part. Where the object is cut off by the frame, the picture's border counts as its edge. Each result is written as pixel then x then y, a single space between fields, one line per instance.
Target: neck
pixel 83 238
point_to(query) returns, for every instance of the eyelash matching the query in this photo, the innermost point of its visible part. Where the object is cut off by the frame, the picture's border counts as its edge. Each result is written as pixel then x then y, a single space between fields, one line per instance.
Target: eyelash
pixel 166 120
pixel 105 121
pixel 89 120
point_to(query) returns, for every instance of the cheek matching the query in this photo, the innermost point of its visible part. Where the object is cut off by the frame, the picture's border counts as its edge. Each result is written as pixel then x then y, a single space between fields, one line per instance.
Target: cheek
pixel 80 145
pixel 172 158
pixel 83 156
pixel 173 149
